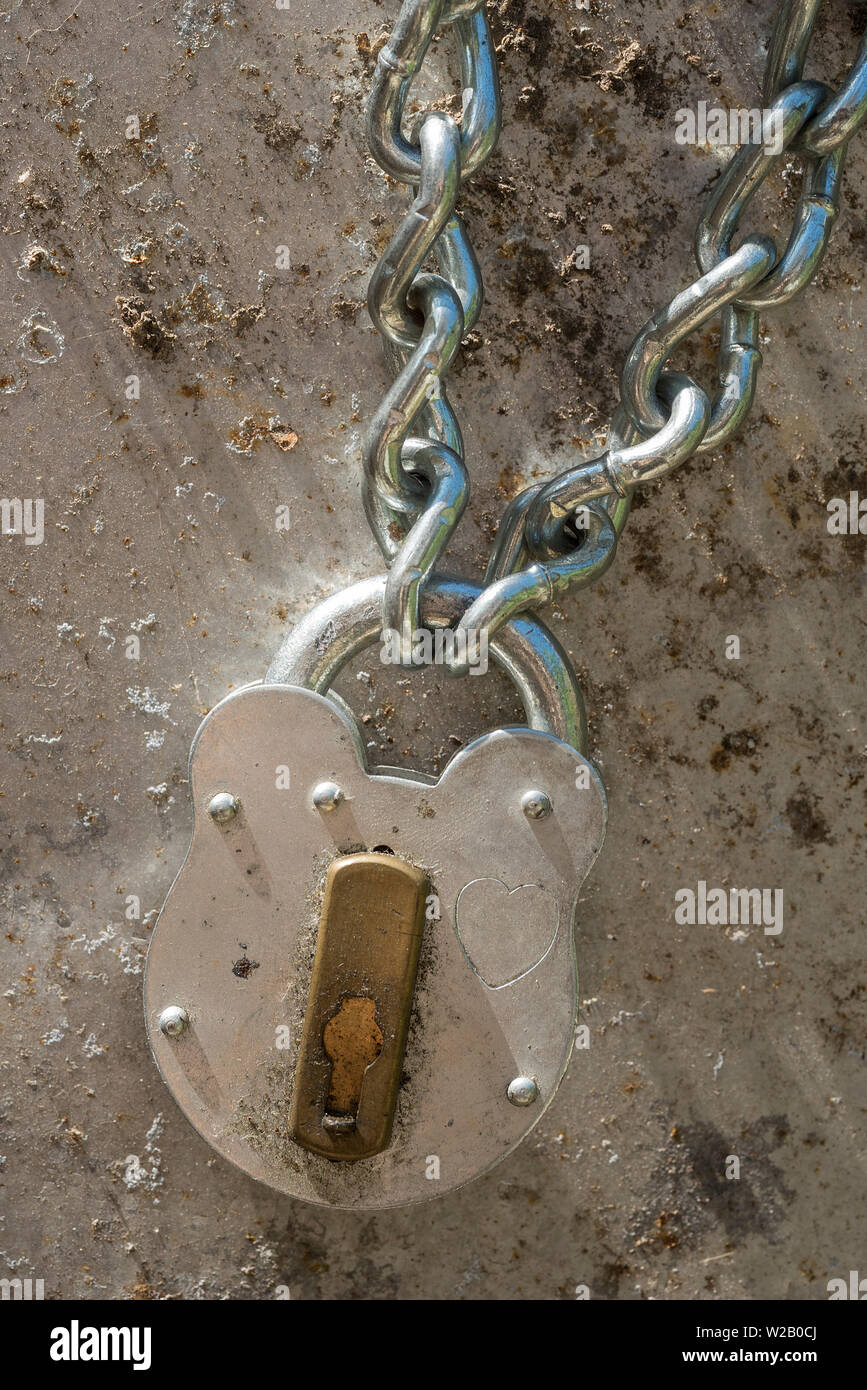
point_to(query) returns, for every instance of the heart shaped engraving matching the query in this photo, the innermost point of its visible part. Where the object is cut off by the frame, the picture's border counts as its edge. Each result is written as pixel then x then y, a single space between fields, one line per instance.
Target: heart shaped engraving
pixel 505 932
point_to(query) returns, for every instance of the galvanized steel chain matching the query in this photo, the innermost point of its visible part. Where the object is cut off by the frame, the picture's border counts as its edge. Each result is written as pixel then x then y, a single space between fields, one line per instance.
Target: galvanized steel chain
pixel 563 534
pixel 664 416
pixel 415 479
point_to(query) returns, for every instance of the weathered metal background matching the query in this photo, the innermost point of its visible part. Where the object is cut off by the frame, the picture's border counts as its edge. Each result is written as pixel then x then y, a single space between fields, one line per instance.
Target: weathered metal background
pixel 156 258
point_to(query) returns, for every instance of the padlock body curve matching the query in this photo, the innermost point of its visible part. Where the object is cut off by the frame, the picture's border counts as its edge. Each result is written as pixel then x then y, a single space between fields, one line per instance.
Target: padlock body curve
pixel 495 991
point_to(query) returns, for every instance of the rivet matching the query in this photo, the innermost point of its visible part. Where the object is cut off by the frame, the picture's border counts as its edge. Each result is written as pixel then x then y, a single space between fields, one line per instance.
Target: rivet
pixel 173 1021
pixel 223 807
pixel 327 796
pixel 523 1090
pixel 536 805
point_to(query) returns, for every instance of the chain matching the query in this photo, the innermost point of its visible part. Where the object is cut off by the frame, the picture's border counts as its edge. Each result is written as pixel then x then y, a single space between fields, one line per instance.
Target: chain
pixel 415 479
pixel 664 416
pixel 563 534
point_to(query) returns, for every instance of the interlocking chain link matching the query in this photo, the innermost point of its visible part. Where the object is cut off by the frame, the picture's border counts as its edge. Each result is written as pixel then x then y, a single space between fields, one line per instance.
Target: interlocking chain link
pixel 563 534
pixel 416 485
pixel 665 417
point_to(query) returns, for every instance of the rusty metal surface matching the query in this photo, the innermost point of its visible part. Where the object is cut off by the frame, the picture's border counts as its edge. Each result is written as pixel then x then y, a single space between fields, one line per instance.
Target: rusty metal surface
pixel 156 258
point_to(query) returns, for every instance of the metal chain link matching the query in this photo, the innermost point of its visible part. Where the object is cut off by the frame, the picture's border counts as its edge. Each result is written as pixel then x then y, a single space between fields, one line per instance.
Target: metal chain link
pixel 665 417
pixel 416 485
pixel 563 534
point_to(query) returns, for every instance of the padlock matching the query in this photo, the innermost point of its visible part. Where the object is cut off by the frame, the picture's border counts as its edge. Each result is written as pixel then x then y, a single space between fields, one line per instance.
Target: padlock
pixel 362 987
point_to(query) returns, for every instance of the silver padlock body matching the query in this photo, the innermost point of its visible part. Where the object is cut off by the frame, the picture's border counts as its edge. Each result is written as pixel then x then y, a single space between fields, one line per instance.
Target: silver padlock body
pixel 496 992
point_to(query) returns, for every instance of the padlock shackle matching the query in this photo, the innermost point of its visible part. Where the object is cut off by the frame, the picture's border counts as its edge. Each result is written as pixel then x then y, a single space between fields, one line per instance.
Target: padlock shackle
pixel 348 622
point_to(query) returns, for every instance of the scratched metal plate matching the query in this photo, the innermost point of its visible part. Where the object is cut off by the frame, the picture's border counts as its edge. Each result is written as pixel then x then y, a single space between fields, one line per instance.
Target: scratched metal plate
pixel 496 992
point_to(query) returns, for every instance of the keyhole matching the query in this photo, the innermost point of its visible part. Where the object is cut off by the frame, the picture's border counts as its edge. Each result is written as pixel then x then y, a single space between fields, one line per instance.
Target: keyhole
pixel 352 1039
